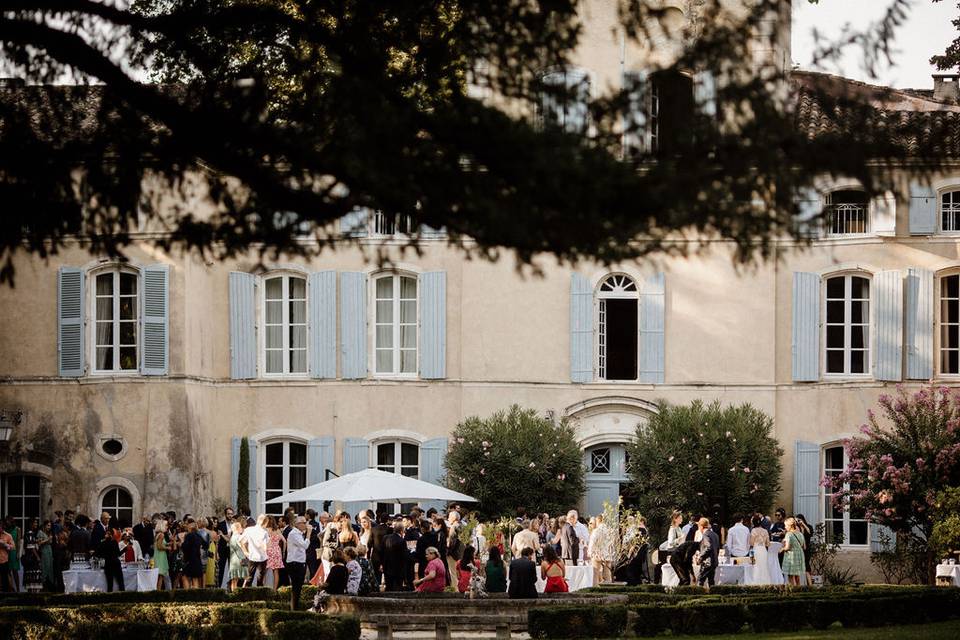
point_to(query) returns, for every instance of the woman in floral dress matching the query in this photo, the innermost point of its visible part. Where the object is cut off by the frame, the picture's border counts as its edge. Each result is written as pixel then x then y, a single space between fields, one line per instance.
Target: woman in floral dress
pixel 793 557
pixel 275 545
pixel 238 557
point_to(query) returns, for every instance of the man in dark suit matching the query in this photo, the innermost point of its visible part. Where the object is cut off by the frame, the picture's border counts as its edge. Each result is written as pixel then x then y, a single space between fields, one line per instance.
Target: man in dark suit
pixel 709 552
pixel 523 576
pixel 379 532
pixel 99 529
pixel 223 543
pixel 395 558
pixel 313 527
pixel 682 561
pixel 143 534
pixel 109 550
pixel 569 540
pixel 79 540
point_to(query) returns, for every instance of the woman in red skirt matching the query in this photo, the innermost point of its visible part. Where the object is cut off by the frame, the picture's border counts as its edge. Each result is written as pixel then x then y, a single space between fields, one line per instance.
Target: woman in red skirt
pixel 553 571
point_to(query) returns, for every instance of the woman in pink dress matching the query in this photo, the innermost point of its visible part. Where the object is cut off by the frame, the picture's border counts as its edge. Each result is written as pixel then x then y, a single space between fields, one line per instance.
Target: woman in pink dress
pixel 275 544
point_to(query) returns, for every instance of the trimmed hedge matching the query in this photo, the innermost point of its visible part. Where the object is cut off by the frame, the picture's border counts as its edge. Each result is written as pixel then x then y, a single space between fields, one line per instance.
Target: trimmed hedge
pixel 179 595
pixel 577 621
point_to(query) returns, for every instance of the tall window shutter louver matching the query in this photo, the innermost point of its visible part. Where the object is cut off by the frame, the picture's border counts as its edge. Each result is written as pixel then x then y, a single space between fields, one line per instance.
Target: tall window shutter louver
pixel 323 324
pixel 70 354
pixel 884 218
pixel 156 320
pixel 243 326
pixel 354 224
pixel 433 325
pixel 637 137
pixel 889 325
pixel 581 329
pixel 319 459
pixel 809 208
pixel 806 327
pixel 652 324
pixel 353 324
pixel 705 92
pixel 432 455
pixel 356 457
pixel 919 330
pixel 254 477
pixel 234 468
pixel 806 481
pixel 923 209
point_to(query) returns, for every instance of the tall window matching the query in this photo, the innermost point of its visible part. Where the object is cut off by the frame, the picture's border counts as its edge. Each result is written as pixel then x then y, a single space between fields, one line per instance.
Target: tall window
pixel 285 324
pixel 387 224
pixel 950 211
pixel 117 321
pixel 117 502
pixel 21 498
pixel 564 102
pixel 950 324
pixel 618 301
pixel 847 325
pixel 395 334
pixel 401 458
pixel 845 524
pixel 848 212
pixel 284 470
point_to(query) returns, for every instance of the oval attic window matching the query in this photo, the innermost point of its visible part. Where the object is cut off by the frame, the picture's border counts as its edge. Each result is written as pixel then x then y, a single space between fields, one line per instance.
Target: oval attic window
pixel 112 447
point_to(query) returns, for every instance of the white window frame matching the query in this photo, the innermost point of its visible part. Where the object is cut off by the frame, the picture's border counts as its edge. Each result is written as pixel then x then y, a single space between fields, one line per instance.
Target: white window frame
pixel 868 373
pixel 600 346
pixel 952 189
pixel 938 347
pixel 91 278
pixel 846 519
pixel 285 323
pixel 22 497
pixel 395 324
pixel 377 221
pixel 830 207
pixel 398 465
pixel 284 465
pixel 115 510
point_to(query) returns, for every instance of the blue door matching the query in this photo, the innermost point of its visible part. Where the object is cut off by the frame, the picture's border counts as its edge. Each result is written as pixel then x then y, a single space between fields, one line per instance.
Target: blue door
pixel 606 466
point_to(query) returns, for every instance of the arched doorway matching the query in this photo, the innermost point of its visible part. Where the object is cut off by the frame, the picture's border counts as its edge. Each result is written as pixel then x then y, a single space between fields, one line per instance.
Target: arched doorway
pixel 604 427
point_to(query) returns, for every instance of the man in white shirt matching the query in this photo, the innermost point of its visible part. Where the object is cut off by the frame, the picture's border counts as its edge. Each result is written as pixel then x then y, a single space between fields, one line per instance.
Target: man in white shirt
pixel 602 550
pixel 297 543
pixel 583 534
pixel 256 538
pixel 738 539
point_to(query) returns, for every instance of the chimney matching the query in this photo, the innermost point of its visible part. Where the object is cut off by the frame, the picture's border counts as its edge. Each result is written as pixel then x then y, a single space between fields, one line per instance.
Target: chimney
pixel 946 87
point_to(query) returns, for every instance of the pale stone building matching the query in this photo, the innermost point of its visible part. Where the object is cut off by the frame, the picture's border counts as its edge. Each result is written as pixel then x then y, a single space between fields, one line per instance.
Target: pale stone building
pixel 135 381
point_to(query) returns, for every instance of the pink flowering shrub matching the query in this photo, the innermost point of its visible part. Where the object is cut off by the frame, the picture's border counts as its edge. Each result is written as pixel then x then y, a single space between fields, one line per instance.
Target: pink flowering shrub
pixel 695 456
pixel 516 459
pixel 900 463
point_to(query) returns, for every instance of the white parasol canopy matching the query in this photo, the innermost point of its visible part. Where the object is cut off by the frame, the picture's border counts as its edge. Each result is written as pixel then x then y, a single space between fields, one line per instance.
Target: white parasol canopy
pixel 373 485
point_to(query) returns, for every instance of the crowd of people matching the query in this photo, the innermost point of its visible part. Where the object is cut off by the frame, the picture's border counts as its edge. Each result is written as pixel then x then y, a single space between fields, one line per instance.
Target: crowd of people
pixel 423 551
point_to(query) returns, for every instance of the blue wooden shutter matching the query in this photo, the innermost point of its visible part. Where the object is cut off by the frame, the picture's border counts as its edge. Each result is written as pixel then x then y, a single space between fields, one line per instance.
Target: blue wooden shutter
pixel 883 217
pixel 919 324
pixel 353 324
pixel 889 330
pixel 323 324
pixel 356 457
pixel 433 325
pixel 319 459
pixel 705 93
pixel 70 321
pixel 156 320
pixel 253 478
pixel 877 532
pixel 806 327
pixel 354 224
pixel 577 112
pixel 806 481
pixel 243 326
pixel 652 324
pixel 428 233
pixel 234 468
pixel 551 107
pixel 432 455
pixel 809 208
pixel 637 136
pixel 923 209
pixel 581 329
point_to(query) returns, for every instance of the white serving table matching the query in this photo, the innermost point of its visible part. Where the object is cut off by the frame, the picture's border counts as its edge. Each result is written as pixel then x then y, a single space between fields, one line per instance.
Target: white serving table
pixel 134 579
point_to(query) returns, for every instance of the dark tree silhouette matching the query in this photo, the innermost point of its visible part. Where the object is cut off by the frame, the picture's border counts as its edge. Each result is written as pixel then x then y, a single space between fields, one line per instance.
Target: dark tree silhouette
pixel 298 112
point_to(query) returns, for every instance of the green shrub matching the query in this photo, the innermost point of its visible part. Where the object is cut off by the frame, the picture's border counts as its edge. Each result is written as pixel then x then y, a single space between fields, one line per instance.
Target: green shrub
pixel 180 595
pixel 708 618
pixel 577 621
pixel 774 615
pixel 651 620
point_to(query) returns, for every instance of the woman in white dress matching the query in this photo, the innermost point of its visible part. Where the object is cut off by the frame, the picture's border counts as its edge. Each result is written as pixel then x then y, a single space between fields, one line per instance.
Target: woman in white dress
pixel 759 541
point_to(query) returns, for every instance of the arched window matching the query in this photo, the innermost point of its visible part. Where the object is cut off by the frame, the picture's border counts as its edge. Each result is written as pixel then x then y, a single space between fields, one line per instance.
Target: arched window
pixel 618 299
pixel 950 210
pixel 848 212
pixel 401 458
pixel 842 524
pixel 116 326
pixel 847 325
pixel 21 498
pixel 284 470
pixel 395 325
pixel 284 324
pixel 948 336
pixel 119 504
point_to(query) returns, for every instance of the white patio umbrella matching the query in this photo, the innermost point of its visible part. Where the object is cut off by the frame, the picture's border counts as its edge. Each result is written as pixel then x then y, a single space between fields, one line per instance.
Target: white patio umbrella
pixel 373 485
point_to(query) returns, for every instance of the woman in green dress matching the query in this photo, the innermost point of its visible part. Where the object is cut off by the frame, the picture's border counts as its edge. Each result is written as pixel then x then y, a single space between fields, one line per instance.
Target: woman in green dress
pixel 10 526
pixel 793 558
pixel 496 578
pixel 160 554
pixel 46 542
pixel 238 559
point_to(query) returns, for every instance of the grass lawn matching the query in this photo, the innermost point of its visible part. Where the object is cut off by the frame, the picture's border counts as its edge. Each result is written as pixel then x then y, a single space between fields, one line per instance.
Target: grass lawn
pixel 937 631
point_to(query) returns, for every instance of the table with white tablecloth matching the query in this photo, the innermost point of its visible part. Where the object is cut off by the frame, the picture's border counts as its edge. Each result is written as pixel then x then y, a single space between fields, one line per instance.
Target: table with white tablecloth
pixel 951 571
pixel 134 579
pixel 743 574
pixel 578 577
